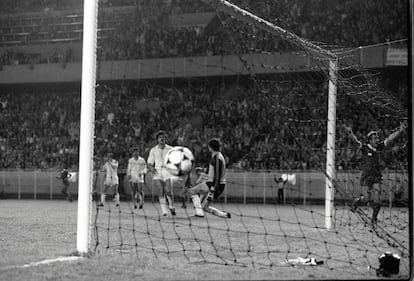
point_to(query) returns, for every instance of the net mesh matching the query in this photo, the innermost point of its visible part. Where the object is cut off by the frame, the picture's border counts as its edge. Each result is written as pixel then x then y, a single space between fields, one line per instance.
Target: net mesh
pixel 283 132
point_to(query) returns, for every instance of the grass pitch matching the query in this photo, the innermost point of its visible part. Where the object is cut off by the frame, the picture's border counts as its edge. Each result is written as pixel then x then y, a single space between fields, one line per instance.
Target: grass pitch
pixel 133 244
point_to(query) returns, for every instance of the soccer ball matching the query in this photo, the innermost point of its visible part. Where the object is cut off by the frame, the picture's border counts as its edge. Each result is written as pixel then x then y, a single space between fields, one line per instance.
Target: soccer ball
pixel 179 161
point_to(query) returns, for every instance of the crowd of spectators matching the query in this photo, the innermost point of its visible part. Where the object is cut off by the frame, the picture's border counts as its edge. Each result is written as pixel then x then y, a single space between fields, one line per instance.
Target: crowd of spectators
pixel 281 128
pixel 11 56
pixel 349 23
pixel 39 130
pixel 145 33
pixel 276 127
pixel 172 6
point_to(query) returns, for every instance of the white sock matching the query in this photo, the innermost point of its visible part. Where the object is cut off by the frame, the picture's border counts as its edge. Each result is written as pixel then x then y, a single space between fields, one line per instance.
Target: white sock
pixel 141 198
pixel 170 201
pixel 163 205
pixel 216 212
pixel 103 197
pixel 197 204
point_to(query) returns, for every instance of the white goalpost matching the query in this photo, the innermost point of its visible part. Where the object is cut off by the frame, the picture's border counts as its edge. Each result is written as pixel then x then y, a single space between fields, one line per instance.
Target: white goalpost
pixel 330 174
pixel 87 119
pixel 330 145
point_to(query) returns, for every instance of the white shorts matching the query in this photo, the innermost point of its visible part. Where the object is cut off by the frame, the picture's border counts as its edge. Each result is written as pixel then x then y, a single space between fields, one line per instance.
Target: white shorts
pixel 136 179
pixel 162 174
pixel 111 182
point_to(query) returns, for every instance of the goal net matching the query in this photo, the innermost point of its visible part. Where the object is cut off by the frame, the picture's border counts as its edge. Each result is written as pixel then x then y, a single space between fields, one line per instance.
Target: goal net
pixel 280 104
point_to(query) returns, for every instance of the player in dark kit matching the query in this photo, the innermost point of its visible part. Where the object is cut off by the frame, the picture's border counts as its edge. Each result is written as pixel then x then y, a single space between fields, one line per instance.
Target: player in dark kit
pixel 213 185
pixel 281 184
pixel 371 176
pixel 64 176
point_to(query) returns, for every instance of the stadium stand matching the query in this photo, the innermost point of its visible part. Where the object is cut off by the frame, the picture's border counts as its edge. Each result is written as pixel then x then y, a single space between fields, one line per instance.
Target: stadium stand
pixel 121 114
pixel 153 31
pixel 151 36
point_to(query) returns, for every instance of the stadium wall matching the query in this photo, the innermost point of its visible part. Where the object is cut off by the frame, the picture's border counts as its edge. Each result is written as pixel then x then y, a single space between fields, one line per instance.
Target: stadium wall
pixel 204 66
pixel 245 187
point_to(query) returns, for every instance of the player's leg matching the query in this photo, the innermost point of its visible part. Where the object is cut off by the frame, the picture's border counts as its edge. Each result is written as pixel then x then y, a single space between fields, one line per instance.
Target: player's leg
pixel 280 196
pixel 117 197
pixel 140 194
pixel 183 196
pixel 103 195
pixel 169 195
pixel 95 186
pixel 183 193
pixel 184 201
pixel 361 199
pixel 64 189
pixel 195 191
pixel 216 212
pixel 376 201
pixel 134 188
pixel 161 196
pixel 70 198
pixel 211 196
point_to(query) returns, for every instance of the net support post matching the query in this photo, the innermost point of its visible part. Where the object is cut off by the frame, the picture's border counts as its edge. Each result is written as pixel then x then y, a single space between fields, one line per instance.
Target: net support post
pixel 90 15
pixel 330 144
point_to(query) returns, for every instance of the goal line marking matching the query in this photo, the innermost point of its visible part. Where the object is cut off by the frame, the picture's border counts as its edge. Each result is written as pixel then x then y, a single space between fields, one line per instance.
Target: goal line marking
pixel 43 262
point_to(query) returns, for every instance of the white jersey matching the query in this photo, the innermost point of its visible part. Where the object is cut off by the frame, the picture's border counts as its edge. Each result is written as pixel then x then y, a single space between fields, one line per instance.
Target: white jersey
pixel 156 158
pixel 111 172
pixel 137 168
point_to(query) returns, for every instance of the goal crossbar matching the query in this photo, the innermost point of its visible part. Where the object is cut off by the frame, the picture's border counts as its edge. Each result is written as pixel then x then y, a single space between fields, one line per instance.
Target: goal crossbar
pixel 247 17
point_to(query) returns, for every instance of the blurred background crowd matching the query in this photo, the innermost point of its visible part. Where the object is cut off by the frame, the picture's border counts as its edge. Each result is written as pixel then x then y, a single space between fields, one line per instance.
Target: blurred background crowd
pixel 139 29
pixel 283 130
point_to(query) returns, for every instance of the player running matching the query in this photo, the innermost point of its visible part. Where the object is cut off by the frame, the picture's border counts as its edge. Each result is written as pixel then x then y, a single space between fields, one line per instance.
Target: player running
pixel 136 170
pixel 161 177
pixel 64 176
pixel 111 179
pixel 211 185
pixel 371 176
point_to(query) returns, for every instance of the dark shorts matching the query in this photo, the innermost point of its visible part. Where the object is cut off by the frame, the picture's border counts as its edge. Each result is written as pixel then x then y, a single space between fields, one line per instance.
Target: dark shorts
pixel 219 190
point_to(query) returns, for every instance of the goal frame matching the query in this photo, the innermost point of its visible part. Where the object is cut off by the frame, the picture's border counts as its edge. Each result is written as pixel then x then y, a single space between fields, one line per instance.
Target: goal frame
pixel 87 121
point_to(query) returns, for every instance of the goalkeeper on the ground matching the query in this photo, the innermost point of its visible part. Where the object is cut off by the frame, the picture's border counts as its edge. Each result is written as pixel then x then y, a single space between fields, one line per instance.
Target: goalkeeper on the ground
pixel 209 186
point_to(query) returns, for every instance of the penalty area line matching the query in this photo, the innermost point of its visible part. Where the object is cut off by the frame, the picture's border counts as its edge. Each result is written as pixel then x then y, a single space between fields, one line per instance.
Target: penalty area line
pixel 43 262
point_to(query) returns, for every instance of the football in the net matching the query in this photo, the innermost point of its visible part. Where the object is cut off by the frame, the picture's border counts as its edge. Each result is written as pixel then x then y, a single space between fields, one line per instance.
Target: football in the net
pixel 179 161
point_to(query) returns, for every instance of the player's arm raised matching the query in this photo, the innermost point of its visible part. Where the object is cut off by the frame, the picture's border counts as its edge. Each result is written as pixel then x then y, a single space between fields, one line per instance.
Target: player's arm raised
pixel 348 129
pixel 394 135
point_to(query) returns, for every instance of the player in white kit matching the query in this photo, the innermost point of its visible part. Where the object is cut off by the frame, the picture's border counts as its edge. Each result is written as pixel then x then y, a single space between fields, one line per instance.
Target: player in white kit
pixel 136 170
pixel 161 177
pixel 111 183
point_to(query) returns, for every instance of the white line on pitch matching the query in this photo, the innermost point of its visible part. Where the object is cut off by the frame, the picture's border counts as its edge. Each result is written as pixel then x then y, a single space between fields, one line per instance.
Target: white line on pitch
pixel 43 262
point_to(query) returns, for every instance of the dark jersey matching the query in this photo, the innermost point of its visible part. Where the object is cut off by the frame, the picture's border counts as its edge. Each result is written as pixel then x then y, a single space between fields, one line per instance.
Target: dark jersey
pixel 371 166
pixel 64 175
pixel 371 158
pixel 217 169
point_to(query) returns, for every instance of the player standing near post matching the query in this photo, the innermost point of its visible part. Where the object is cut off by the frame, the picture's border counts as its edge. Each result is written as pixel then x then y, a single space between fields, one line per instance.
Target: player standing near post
pixel 161 177
pixel 111 179
pixel 136 170
pixel 371 176
pixel 64 176
pixel 213 186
